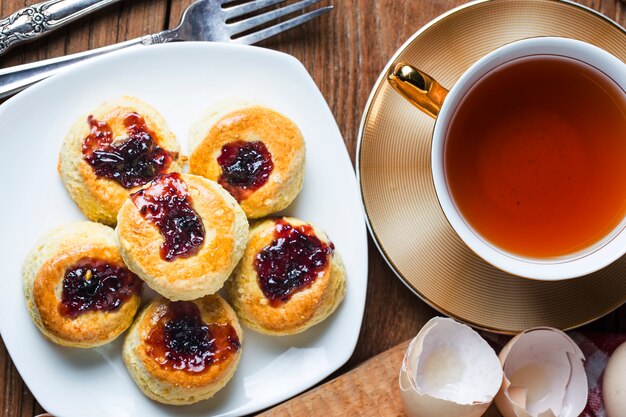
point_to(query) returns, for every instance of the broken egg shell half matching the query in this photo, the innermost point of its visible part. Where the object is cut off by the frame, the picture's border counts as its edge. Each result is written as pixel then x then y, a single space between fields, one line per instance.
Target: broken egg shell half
pixel 448 371
pixel 614 384
pixel 544 375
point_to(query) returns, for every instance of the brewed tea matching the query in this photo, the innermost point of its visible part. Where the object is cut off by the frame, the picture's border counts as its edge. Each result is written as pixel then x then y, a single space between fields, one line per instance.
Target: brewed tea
pixel 535 156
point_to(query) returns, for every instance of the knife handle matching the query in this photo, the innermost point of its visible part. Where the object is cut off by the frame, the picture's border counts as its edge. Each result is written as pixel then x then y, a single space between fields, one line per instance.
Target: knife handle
pixel 38 20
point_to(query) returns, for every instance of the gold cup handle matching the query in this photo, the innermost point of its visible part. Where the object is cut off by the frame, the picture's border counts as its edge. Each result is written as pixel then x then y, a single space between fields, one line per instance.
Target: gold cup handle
pixel 418 88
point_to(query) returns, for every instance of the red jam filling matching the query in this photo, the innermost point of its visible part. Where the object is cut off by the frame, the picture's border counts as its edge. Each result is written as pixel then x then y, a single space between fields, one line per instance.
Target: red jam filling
pixel 166 204
pixel 292 262
pixel 132 161
pixel 246 166
pixel 180 340
pixel 95 285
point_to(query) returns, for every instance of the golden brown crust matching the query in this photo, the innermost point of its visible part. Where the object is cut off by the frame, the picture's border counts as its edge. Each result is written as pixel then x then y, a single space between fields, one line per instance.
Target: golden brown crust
pixel 304 309
pixel 280 135
pixel 226 230
pixel 100 198
pixel 44 270
pixel 170 386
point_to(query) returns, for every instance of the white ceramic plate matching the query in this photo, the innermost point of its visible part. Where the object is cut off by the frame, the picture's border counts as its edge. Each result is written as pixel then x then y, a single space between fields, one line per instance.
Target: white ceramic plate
pixel 181 81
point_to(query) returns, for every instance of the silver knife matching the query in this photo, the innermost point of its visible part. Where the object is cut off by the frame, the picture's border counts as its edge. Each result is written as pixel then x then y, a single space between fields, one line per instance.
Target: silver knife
pixel 38 20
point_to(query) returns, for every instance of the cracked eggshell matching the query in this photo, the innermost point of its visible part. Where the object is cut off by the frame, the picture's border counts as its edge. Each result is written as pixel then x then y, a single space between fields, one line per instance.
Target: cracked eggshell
pixel 544 376
pixel 448 371
pixel 614 384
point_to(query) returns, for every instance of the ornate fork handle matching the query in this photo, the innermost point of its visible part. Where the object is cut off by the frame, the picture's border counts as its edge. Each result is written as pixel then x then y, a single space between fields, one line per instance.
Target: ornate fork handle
pixel 39 19
pixel 14 79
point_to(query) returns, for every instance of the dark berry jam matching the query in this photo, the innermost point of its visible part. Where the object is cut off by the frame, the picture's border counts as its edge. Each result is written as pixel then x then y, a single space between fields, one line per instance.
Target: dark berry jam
pixel 95 285
pixel 131 161
pixel 246 166
pixel 166 203
pixel 294 259
pixel 181 340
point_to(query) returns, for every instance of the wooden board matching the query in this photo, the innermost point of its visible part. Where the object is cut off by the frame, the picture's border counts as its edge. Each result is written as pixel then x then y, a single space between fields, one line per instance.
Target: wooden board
pixel 370 390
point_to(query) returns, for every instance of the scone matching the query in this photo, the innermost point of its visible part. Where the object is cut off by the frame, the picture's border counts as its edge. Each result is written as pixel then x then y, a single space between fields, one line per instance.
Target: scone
pixel 183 352
pixel 78 291
pixel 255 153
pixel 119 146
pixel 182 234
pixel 289 279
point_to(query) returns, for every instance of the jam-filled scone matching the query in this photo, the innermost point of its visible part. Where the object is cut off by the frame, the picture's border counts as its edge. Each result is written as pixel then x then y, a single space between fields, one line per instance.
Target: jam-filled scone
pixel 289 279
pixel 119 146
pixel 182 352
pixel 182 234
pixel 78 291
pixel 255 153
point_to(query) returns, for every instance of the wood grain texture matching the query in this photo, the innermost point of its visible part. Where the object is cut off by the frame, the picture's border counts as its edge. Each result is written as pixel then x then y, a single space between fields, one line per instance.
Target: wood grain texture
pixel 344 52
pixel 370 390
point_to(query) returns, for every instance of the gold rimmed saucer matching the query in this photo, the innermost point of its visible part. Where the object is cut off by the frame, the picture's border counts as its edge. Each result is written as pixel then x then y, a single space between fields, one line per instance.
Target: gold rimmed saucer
pixel 403 214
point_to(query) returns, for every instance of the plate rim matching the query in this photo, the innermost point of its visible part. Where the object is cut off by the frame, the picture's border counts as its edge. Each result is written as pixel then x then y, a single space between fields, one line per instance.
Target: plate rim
pixel 365 117
pixel 135 50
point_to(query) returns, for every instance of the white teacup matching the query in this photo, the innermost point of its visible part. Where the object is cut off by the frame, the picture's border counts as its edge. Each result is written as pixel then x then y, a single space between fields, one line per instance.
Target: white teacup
pixel 429 96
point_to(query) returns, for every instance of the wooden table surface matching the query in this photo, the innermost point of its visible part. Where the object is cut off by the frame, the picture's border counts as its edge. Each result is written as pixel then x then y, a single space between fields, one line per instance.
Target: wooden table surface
pixel 344 52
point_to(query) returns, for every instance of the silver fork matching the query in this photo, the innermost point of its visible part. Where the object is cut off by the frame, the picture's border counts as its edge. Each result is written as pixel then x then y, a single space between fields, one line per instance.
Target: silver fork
pixel 203 20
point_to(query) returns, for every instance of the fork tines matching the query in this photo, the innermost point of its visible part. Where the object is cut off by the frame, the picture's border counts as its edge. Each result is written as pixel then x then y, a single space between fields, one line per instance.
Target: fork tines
pixel 250 23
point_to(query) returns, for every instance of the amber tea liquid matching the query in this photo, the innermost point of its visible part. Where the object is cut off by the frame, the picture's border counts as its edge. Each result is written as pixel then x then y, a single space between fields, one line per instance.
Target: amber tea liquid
pixel 535 156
